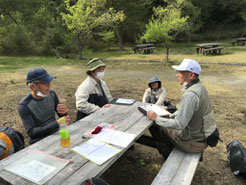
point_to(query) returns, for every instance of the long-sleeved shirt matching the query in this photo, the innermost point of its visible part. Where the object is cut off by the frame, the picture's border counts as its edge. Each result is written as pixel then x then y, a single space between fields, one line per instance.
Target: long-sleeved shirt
pixel 38 116
pixel 188 105
pixel 88 87
pixel 154 96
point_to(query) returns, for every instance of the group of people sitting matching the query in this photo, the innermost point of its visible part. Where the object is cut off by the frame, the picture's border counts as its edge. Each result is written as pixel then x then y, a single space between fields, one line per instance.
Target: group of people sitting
pixel 187 128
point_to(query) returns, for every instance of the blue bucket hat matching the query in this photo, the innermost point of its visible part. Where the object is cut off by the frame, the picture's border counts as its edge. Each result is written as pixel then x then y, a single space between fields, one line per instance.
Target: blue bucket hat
pixel 38 74
pixel 154 79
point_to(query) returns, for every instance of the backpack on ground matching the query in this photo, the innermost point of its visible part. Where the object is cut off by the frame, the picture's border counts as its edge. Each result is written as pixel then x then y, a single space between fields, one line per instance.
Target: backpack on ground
pixel 236 155
pixel 11 141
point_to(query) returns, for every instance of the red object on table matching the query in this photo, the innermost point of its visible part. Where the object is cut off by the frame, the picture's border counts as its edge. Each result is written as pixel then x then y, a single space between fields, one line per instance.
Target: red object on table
pixel 97 130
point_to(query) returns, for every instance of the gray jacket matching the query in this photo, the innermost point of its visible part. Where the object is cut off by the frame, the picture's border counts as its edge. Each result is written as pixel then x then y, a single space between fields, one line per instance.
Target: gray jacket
pixel 194 119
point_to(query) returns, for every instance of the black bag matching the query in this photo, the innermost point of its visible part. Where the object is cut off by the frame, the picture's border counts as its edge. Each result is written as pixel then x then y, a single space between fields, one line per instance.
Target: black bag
pixel 94 99
pixel 170 108
pixel 94 181
pixel 236 155
pixel 214 138
pixel 10 139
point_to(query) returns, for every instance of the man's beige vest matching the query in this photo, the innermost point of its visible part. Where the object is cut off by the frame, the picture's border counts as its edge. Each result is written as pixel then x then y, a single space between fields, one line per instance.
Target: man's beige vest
pixel 202 123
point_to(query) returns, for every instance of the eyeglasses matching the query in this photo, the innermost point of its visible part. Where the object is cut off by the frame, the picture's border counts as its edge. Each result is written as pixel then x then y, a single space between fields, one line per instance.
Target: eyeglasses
pixel 43 83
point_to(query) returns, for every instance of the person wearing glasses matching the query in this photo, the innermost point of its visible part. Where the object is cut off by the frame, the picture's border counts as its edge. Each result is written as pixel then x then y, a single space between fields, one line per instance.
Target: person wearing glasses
pixel 37 109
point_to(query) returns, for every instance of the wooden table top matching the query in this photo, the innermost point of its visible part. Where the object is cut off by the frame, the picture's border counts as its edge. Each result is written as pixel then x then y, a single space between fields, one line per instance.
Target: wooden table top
pixel 208 44
pixel 126 118
pixel 241 39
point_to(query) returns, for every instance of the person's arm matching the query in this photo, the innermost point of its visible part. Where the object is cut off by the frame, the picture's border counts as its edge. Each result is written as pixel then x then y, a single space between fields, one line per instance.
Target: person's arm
pixel 189 104
pixel 61 109
pixel 162 97
pixel 82 104
pixel 32 130
pixel 146 97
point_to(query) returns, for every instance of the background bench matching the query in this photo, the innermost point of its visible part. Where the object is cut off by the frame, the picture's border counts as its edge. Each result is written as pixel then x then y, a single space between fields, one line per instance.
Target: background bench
pixel 144 48
pixel 213 50
pixel 178 169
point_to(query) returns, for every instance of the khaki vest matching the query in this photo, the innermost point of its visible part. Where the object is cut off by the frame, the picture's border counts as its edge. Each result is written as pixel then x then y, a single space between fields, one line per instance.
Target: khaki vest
pixel 202 123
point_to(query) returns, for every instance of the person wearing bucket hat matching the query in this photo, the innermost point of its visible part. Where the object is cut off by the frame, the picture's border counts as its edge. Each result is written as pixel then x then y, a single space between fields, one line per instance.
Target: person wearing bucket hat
pixel 37 109
pixel 155 94
pixel 93 93
pixel 190 126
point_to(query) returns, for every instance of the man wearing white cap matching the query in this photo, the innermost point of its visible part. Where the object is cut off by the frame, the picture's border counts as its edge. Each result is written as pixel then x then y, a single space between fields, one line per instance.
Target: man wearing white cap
pixel 190 126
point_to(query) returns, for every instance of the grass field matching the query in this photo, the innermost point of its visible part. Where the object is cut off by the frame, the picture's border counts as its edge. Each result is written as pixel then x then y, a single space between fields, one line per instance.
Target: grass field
pixel 225 84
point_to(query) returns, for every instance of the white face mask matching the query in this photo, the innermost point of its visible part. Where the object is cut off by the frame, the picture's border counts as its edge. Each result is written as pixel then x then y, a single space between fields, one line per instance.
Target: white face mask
pixel 41 94
pixel 100 75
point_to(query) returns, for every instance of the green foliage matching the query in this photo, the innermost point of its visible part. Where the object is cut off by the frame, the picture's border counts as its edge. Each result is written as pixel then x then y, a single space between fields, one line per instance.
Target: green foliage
pixel 88 18
pixel 108 37
pixel 165 24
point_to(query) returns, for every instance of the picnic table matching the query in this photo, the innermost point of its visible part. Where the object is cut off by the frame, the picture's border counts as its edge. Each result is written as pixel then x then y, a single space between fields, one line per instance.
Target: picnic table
pixel 125 118
pixel 144 48
pixel 212 48
pixel 239 41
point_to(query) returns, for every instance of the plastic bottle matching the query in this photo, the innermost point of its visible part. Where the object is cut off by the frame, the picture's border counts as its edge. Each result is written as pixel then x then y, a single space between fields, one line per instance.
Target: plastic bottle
pixel 64 133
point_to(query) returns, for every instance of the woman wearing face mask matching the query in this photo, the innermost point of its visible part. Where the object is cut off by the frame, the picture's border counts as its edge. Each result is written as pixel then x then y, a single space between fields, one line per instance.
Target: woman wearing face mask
pixel 155 94
pixel 93 92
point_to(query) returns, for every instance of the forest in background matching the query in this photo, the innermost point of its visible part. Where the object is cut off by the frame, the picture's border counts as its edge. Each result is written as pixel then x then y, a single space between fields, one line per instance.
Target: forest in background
pixel 49 27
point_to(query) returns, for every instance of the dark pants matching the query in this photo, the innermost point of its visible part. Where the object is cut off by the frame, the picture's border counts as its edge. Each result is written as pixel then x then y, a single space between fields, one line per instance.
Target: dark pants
pixel 165 139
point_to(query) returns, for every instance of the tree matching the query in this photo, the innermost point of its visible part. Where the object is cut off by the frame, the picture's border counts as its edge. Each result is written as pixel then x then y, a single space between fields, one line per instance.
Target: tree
pixel 87 18
pixel 165 24
pixel 194 21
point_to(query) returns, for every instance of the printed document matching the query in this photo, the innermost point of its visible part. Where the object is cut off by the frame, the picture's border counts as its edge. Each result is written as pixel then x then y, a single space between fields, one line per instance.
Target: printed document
pixel 115 137
pixel 96 151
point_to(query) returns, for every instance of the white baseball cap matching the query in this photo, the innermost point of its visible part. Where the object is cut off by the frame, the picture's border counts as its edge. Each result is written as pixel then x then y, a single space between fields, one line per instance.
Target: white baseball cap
pixel 188 65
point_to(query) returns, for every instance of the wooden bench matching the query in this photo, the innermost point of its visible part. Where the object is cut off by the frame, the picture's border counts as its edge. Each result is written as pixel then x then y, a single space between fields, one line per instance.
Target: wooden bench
pixel 213 50
pixel 239 41
pixel 178 169
pixel 144 48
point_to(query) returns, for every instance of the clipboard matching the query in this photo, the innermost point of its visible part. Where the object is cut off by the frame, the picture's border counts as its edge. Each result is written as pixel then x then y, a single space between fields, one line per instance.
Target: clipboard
pixel 159 110
pixel 123 101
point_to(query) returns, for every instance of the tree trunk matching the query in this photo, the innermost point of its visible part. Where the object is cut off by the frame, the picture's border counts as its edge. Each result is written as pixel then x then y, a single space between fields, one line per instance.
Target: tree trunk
pixel 119 37
pixel 80 47
pixel 167 53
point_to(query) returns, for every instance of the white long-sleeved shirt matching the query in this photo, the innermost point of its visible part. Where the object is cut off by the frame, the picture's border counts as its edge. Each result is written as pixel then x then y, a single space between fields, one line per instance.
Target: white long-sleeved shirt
pixel 160 95
pixel 87 87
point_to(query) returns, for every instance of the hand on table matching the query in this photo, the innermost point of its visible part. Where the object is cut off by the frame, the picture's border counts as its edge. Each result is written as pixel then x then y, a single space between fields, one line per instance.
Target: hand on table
pixel 106 105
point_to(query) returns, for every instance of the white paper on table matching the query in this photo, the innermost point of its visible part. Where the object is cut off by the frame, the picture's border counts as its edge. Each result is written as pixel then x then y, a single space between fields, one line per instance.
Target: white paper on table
pixel 115 137
pixel 157 109
pixel 96 151
pixel 37 166
pixel 34 170
pixel 125 101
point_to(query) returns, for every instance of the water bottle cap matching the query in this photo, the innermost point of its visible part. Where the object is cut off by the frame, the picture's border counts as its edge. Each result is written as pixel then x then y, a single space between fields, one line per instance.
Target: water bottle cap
pixel 63 120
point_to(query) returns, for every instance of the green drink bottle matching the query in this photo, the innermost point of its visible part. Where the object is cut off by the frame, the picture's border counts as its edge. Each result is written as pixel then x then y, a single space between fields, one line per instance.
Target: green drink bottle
pixel 64 133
